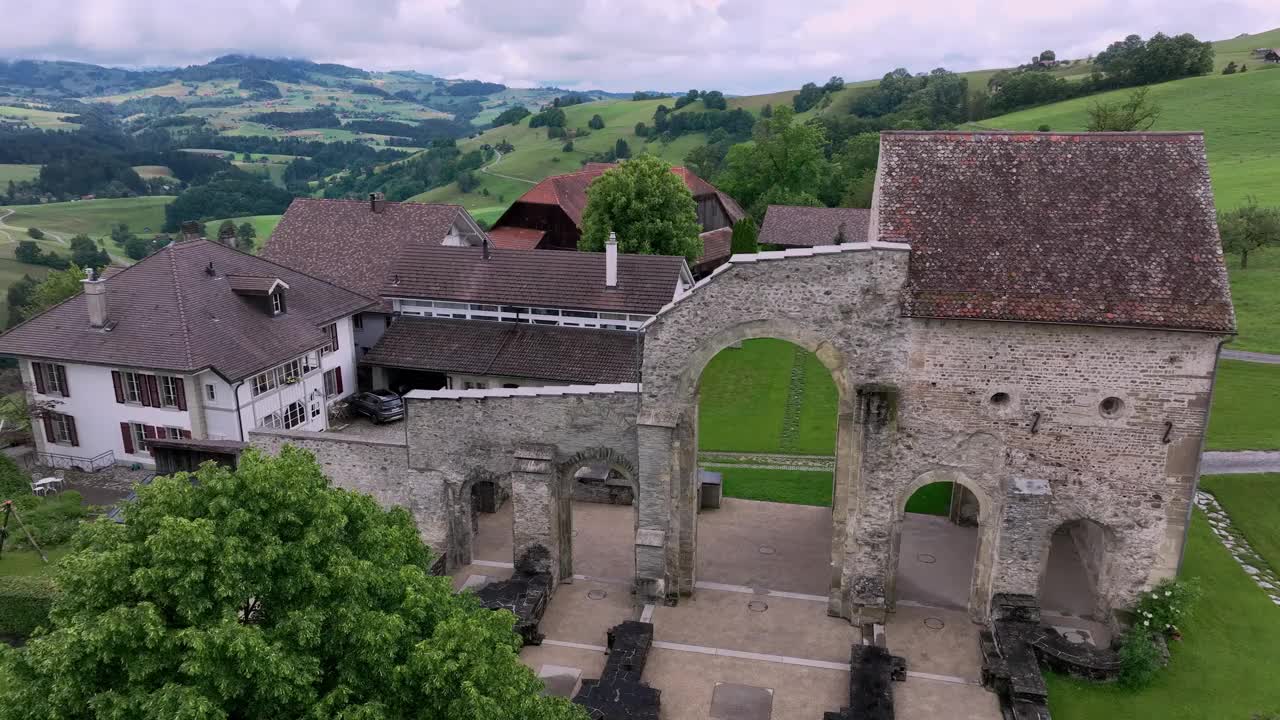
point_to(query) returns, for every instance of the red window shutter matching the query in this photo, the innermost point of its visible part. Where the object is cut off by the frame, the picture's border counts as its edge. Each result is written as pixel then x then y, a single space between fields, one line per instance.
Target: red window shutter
pixel 144 390
pixel 71 430
pixel 181 389
pixel 62 379
pixel 337 375
pixel 37 369
pixel 186 434
pixel 149 432
pixel 118 382
pixel 126 433
pixel 153 389
pixel 48 430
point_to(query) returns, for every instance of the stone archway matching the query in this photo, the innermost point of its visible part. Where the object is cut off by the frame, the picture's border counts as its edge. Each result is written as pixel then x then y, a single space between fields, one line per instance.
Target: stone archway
pixel 979 594
pixel 566 481
pixel 1075 572
pixel 461 515
pixel 682 441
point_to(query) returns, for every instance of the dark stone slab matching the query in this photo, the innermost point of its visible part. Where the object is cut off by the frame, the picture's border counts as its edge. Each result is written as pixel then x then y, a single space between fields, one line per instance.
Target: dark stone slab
pixel 619 693
pixel 525 595
pixel 872 669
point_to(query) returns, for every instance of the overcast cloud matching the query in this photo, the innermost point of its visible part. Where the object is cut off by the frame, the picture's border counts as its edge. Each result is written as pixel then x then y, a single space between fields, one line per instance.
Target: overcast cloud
pixel 738 46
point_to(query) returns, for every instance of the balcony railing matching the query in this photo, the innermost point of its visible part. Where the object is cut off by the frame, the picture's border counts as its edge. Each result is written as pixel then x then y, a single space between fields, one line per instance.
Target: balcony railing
pixel 73 462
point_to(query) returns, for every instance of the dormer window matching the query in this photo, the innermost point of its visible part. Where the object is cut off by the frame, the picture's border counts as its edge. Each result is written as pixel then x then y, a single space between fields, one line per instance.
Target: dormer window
pixel 277 302
pixel 265 292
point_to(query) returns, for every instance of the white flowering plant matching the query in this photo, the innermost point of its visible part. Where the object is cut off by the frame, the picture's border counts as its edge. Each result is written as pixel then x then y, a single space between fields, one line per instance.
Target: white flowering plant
pixel 1162 608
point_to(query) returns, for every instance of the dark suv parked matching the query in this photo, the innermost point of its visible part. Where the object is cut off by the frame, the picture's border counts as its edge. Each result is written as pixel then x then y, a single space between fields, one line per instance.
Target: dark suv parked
pixel 379 405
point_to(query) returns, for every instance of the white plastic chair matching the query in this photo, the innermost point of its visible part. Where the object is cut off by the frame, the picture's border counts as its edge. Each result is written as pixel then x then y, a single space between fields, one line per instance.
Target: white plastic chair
pixel 44 486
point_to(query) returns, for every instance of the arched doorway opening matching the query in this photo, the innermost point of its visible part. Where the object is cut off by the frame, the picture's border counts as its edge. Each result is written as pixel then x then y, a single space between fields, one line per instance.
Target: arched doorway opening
pixel 938 542
pixel 598 515
pixel 765 478
pixel 482 530
pixel 1075 571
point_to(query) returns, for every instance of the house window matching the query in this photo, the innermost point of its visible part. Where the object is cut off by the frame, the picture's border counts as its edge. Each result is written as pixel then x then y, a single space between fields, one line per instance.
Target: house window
pixel 139 433
pixel 468 385
pixel 277 303
pixel 270 420
pixel 50 379
pixel 315 409
pixel 63 428
pixel 264 382
pixel 295 414
pixel 133 387
pixel 171 433
pixel 332 383
pixel 210 392
pixel 358 321
pixel 310 362
pixel 168 391
pixel 332 331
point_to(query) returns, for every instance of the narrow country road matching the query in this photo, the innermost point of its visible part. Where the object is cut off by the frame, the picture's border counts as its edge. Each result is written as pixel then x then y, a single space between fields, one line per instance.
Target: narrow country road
pixel 487 171
pixel 1249 356
pixel 1240 462
pixel 7 232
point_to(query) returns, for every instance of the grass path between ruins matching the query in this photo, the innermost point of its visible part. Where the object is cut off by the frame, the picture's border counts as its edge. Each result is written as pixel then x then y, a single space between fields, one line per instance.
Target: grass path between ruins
pixel 1224 668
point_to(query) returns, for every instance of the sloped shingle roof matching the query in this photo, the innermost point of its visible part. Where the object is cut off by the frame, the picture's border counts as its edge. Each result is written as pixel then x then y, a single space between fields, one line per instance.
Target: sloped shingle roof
pixel 516 238
pixel 539 278
pixel 543 352
pixel 791 226
pixel 716 248
pixel 1088 228
pixel 170 314
pixel 346 243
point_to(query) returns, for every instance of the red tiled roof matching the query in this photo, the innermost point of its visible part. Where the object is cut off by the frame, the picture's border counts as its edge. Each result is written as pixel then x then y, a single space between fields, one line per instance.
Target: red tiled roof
pixel 569 191
pixel 791 226
pixel 515 238
pixel 346 243
pixel 538 278
pixel 543 352
pixel 170 314
pixel 716 248
pixel 1088 228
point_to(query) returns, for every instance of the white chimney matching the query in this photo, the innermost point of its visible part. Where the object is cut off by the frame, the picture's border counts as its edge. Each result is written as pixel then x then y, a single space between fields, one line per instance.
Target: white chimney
pixel 611 261
pixel 95 296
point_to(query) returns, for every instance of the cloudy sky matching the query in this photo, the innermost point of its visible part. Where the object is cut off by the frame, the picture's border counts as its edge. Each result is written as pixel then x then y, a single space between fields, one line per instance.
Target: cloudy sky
pixel 738 46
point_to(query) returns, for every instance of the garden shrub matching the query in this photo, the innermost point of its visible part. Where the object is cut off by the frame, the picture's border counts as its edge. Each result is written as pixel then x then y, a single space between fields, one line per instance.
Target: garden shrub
pixel 14 483
pixel 52 519
pixel 1163 607
pixel 1140 659
pixel 25 601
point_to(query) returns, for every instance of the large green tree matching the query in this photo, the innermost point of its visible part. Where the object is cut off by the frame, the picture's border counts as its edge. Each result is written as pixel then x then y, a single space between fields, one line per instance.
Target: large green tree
pixel 649 208
pixel 264 593
pixel 56 287
pixel 1248 228
pixel 786 164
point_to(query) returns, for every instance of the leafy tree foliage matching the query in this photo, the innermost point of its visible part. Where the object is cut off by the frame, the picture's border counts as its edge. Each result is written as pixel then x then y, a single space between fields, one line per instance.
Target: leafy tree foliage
pixel 621 150
pixel 1048 56
pixel 1230 69
pixel 785 165
pixel 939 99
pixel 86 254
pixel 745 237
pixel 551 117
pixel 1137 112
pixel 1133 61
pixel 57 286
pixel 473 87
pixel 229 194
pixel 29 252
pixel 1248 228
pixel 511 116
pixel 18 296
pixel 596 122
pixel 736 123
pixel 265 593
pixel 246 234
pixel 647 205
pixel 227 232
pixel 641 131
pixel 568 147
pixel 323 117
pixel 808 97
pixel 714 100
pixel 35 233
pixel 686 99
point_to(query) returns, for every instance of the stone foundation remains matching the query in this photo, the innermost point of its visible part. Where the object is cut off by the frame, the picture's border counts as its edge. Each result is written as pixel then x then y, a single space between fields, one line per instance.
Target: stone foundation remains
pixel 620 694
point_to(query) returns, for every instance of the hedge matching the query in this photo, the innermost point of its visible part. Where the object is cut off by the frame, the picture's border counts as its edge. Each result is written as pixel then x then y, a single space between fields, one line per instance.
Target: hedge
pixel 25 601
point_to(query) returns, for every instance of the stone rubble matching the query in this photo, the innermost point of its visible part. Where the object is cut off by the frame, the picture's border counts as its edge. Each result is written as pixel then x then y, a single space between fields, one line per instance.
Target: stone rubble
pixel 1249 560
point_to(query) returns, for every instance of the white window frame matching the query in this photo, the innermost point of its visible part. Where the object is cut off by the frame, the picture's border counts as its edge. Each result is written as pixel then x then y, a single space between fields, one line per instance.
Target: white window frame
pixel 277 303
pixel 516 313
pixel 332 331
pixel 139 438
pixel 168 391
pixel 284 374
pixel 48 372
pixel 331 383
pixel 61 428
pixel 132 386
pixel 210 392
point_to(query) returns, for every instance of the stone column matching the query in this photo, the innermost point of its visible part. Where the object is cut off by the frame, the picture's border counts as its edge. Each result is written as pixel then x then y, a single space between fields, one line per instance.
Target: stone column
pixel 1023 540
pixel 654 555
pixel 847 477
pixel 536 510
pixel 869 542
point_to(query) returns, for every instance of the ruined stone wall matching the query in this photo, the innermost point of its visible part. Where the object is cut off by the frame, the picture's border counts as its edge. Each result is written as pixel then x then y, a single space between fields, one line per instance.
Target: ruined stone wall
pixel 378 468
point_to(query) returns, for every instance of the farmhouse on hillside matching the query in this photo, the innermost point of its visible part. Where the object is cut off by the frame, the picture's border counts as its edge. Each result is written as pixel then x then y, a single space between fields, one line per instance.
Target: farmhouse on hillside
pixel 549 215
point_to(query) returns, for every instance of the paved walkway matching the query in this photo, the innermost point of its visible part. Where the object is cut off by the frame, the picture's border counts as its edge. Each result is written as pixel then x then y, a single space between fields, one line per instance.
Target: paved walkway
pixel 1240 462
pixel 1248 356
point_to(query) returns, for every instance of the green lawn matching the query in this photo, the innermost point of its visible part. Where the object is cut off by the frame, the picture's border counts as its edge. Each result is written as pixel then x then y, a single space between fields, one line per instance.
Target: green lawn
pixel 1253 502
pixel 11 271
pixel 1225 667
pixel 1255 292
pixel 1246 407
pixel 932 499
pixel 17 173
pixel 39 119
pixel 264 224
pixel 744 395
pixel 93 217
pixel 28 562
pixel 798 487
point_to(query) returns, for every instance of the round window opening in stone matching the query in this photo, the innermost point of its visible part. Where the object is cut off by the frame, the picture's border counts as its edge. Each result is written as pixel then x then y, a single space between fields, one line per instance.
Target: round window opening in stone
pixel 1111 407
pixel 1001 399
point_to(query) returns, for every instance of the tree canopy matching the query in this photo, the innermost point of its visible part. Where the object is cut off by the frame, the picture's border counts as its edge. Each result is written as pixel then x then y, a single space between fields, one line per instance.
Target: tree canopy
pixel 265 593
pixel 647 206
pixel 785 165
pixel 57 286
pixel 1248 228
pixel 1137 112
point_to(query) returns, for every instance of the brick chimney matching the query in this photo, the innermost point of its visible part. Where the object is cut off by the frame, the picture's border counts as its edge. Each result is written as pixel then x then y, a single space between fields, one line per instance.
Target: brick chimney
pixel 95 297
pixel 377 202
pixel 611 261
pixel 191 230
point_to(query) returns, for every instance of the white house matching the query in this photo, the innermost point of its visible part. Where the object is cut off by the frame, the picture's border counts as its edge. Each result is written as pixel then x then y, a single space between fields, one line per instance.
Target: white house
pixel 196 341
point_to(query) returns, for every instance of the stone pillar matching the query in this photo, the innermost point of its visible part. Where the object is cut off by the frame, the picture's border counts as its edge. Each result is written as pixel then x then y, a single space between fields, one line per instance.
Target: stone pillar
pixel 1024 538
pixel 964 506
pixel 847 477
pixel 684 501
pixel 535 526
pixel 869 544
pixel 654 555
